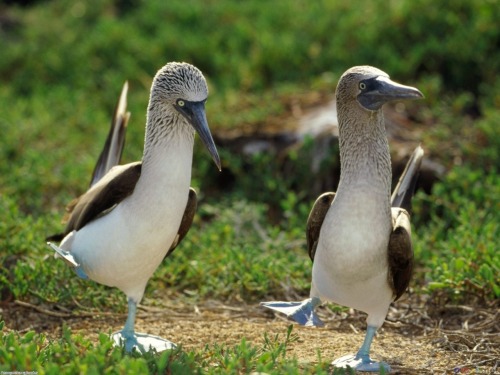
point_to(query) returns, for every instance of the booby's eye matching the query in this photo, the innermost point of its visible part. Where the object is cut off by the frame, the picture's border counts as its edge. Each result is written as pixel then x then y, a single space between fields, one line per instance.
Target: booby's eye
pixel 180 103
pixel 362 85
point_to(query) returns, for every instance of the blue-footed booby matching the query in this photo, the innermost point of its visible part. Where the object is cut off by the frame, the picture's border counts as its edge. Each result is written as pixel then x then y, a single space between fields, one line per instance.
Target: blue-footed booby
pixel 359 238
pixel 134 215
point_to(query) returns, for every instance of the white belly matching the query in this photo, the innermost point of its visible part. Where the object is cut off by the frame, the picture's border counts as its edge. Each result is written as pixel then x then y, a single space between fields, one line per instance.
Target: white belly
pixel 127 257
pixel 350 266
pixel 124 247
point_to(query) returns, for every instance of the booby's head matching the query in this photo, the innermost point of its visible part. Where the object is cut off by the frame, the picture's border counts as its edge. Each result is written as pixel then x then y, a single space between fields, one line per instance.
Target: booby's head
pixel 180 89
pixel 371 88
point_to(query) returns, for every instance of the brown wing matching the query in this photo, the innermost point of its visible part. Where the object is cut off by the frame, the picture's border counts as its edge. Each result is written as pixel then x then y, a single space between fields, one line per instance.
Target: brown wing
pixel 403 192
pixel 400 252
pixel 110 190
pixel 315 221
pixel 83 209
pixel 187 220
pixel 113 148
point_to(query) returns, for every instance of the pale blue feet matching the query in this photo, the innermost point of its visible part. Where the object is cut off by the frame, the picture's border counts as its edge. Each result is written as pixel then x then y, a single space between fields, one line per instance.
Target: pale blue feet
pixel 68 258
pixel 81 273
pixel 360 364
pixel 302 312
pixel 141 342
pixel 362 361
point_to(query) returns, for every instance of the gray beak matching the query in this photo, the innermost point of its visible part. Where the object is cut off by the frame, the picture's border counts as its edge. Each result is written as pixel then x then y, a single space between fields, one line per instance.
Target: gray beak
pixel 194 112
pixel 380 90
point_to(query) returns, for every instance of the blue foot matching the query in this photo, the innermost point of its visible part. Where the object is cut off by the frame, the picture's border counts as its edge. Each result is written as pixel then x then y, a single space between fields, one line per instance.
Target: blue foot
pixel 81 273
pixel 302 312
pixel 141 342
pixel 360 363
pixel 69 259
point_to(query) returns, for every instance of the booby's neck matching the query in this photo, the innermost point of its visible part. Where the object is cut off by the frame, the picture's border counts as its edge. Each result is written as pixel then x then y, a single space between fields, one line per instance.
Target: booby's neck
pixel 167 159
pixel 164 129
pixel 365 160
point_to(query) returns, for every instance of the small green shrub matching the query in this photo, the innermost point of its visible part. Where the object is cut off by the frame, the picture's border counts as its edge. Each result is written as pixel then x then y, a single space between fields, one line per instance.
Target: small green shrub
pixel 458 245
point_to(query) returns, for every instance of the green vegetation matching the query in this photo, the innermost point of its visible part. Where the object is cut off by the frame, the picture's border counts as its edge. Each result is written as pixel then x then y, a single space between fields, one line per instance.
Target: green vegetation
pixel 61 68
pixel 463 233
pixel 73 354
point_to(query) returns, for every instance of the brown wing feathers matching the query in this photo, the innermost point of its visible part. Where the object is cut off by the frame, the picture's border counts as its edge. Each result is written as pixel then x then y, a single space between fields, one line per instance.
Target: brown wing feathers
pixel 400 252
pixel 315 221
pixel 400 249
pixel 113 148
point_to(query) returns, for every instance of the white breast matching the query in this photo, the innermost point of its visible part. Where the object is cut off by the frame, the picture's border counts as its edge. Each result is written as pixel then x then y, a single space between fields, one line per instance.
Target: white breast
pixel 350 266
pixel 124 248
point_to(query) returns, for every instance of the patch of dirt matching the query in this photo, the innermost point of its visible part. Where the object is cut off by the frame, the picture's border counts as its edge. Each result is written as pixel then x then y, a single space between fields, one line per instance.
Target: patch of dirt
pixel 417 338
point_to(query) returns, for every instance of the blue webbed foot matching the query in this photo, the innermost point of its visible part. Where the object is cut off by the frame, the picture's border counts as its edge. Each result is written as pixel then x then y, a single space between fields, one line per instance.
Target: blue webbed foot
pixel 360 363
pixel 69 259
pixel 141 342
pixel 302 312
pixel 81 273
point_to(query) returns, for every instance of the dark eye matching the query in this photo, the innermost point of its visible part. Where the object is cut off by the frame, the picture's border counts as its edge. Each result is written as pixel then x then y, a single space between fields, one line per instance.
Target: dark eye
pixel 180 103
pixel 362 85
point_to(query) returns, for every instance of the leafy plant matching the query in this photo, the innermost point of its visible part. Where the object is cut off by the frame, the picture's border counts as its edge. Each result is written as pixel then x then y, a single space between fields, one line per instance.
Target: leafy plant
pixel 457 246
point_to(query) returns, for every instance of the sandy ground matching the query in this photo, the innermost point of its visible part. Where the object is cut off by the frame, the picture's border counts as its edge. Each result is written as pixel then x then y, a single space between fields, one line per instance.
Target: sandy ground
pixel 414 340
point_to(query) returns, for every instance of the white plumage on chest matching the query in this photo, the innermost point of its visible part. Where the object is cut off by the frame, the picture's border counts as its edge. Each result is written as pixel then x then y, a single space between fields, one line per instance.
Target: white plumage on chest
pixel 350 266
pixel 124 247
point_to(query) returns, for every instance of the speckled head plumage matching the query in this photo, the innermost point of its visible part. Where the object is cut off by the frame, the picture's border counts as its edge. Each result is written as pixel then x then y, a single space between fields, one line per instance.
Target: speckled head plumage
pixel 348 86
pixel 179 81
pixel 371 88
pixel 177 107
pixel 360 94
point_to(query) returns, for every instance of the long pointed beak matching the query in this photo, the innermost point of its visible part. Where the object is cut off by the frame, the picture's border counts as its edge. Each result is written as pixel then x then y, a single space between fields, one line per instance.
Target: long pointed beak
pixel 199 121
pixel 384 90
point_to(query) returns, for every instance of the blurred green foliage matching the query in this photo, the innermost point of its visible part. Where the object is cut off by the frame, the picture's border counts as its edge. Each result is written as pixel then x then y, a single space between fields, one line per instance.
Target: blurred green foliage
pixel 250 45
pixel 62 64
pixel 459 244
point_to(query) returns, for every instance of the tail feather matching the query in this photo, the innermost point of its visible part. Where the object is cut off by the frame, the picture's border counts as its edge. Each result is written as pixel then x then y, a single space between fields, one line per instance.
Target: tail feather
pixel 404 190
pixel 113 148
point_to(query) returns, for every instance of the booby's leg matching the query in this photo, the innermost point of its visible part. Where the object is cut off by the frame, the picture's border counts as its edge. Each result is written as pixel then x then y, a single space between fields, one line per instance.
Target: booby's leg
pixel 69 259
pixel 362 361
pixel 127 334
pixel 140 341
pixel 302 312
